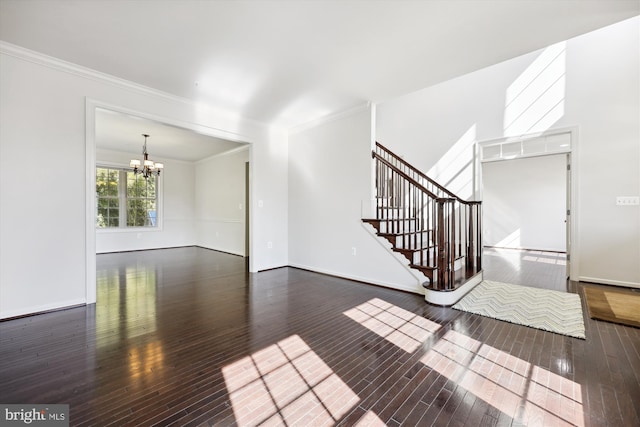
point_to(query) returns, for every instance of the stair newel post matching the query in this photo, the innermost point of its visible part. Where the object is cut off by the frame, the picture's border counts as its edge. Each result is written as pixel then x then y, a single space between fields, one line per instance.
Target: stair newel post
pixel 459 234
pixel 378 191
pixel 382 190
pixel 442 256
pixel 469 217
pixel 422 215
pixel 416 215
pixel 433 234
pixel 398 203
pixel 392 202
pixel 402 212
pixel 478 207
pixel 396 211
pixel 385 200
pixel 452 242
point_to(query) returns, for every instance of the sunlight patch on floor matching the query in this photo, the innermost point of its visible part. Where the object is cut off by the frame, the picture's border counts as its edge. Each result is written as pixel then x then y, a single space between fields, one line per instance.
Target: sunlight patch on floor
pixel 527 393
pixel 398 326
pixel 286 384
pixel 370 419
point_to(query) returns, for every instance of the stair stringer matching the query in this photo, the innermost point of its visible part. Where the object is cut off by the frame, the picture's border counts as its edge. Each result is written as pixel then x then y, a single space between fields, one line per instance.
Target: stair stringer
pixel 421 279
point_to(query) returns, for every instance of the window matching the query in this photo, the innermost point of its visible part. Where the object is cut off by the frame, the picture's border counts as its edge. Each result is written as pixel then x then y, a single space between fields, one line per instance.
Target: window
pixel 125 199
pixel 526 146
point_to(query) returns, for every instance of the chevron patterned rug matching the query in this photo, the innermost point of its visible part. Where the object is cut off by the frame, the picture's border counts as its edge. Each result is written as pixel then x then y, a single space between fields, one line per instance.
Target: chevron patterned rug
pixel 544 309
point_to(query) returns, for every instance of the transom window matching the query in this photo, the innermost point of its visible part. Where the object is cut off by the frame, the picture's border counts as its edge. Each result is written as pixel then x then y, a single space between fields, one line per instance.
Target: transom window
pixel 125 199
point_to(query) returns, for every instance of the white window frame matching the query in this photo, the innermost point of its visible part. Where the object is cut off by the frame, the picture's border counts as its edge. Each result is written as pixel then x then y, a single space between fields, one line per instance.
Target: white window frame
pixel 122 191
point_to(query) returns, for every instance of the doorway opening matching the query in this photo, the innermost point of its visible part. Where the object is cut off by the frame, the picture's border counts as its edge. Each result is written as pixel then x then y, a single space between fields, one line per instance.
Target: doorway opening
pixel 191 207
pixel 526 192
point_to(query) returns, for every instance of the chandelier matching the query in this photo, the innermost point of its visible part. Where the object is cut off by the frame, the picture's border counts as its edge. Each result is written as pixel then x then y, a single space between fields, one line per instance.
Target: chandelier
pixel 149 167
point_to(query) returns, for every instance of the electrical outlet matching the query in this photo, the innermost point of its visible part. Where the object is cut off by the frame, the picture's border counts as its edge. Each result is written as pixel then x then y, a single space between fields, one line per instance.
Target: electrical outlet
pixel 627 200
pixel 269 245
pixel 353 251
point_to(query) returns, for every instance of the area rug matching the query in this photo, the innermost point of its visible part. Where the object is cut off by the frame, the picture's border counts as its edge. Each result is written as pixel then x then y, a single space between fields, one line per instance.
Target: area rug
pixel 613 305
pixel 544 309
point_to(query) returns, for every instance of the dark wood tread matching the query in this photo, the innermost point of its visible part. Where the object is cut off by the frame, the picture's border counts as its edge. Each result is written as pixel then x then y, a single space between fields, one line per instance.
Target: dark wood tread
pixel 406 233
pixel 423 267
pixel 423 247
pixel 378 221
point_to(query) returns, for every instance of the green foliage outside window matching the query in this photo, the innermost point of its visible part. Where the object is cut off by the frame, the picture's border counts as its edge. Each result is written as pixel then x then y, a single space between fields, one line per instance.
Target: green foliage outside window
pixel 141 200
pixel 107 182
pixel 137 196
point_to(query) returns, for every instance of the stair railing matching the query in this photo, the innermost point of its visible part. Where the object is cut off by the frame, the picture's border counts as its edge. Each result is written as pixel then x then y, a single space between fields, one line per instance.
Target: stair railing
pixel 429 218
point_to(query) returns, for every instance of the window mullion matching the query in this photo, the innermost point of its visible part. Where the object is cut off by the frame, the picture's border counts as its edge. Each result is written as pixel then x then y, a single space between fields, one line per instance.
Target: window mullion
pixel 122 197
pixel 135 200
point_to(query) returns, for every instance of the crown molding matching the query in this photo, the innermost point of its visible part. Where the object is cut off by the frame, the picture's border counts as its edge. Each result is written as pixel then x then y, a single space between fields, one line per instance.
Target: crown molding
pixel 34 57
pixel 78 70
pixel 224 153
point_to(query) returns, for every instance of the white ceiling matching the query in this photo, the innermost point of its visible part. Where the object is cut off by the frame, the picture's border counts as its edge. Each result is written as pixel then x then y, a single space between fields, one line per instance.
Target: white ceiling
pixel 289 62
pixel 122 132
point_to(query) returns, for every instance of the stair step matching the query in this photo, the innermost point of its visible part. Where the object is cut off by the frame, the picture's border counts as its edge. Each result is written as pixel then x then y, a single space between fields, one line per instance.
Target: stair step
pixel 396 239
pixel 428 270
pixel 425 246
pixel 423 267
pixel 397 227
pixel 409 234
pixel 415 256
pixel 389 207
pixel 382 220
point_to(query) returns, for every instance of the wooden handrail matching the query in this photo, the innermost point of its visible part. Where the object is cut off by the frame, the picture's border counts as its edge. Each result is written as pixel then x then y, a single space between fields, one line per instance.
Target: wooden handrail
pixel 404 175
pixel 420 173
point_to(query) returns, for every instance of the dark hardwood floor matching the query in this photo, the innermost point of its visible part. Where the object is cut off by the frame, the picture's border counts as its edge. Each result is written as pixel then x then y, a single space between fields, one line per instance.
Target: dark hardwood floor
pixel 538 269
pixel 187 337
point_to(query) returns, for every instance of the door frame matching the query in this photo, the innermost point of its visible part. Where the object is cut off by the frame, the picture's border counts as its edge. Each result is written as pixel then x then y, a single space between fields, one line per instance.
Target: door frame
pixel 571 152
pixel 90 162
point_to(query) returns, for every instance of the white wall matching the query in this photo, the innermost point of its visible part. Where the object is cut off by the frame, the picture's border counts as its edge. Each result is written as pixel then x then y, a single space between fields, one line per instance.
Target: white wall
pixel 43 252
pixel 524 207
pixel 178 203
pixel 220 202
pixel 329 179
pixel 592 83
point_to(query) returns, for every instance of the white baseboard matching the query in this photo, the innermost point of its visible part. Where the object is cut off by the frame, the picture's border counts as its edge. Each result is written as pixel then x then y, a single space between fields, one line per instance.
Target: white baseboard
pixel 226 251
pixel 452 297
pixel 25 311
pixel 609 282
pixel 418 289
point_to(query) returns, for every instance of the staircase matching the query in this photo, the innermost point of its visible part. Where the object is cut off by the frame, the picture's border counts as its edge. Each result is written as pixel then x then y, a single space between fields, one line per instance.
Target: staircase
pixel 439 233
